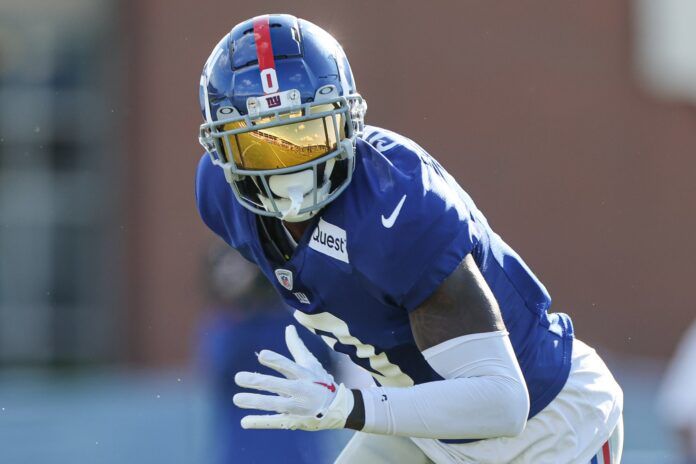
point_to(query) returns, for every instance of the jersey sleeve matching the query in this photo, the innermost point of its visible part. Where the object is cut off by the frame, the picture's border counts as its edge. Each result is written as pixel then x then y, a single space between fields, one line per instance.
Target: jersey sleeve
pixel 218 208
pixel 206 199
pixel 416 248
pixel 438 263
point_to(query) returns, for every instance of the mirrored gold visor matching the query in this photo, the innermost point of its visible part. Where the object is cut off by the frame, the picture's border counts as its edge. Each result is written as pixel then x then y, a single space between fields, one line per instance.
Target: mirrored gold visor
pixel 287 144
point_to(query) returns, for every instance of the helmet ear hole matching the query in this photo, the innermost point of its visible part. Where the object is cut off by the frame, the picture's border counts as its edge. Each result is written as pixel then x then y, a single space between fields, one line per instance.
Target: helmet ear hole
pixel 321 169
pixel 339 173
pixel 249 189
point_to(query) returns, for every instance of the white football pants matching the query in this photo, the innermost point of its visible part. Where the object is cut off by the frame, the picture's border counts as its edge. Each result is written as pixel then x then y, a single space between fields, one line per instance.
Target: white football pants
pixel 582 425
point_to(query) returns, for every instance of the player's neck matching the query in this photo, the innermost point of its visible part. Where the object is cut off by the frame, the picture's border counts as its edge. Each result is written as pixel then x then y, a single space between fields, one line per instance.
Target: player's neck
pixel 296 229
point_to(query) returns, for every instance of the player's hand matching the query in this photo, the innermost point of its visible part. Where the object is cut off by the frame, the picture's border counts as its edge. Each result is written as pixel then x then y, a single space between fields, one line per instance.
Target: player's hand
pixel 306 398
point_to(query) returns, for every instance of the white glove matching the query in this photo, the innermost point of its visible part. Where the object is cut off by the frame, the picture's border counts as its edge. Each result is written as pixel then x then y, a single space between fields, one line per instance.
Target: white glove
pixel 307 398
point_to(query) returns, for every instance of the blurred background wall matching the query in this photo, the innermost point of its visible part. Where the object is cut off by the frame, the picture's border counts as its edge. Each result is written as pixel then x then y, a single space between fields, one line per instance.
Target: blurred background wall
pixel 572 125
pixel 61 156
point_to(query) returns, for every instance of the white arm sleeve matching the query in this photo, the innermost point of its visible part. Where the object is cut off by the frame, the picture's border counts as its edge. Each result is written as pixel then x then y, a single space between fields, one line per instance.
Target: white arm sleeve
pixel 483 395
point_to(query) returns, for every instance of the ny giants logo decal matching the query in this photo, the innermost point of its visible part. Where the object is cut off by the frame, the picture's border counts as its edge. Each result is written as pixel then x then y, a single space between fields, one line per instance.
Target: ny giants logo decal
pixel 273 101
pixel 301 297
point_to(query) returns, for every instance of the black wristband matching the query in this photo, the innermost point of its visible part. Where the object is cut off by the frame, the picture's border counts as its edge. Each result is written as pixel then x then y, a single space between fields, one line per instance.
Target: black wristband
pixel 356 418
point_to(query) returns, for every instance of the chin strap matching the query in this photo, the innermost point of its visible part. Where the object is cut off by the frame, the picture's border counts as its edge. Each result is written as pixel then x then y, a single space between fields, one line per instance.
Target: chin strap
pixel 296 194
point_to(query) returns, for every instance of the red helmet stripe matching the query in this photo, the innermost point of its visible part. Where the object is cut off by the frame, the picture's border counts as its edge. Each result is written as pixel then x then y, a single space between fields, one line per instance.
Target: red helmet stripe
pixel 264 52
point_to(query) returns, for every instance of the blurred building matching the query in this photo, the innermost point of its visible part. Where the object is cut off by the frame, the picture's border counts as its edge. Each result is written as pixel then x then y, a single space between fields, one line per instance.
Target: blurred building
pixel 60 183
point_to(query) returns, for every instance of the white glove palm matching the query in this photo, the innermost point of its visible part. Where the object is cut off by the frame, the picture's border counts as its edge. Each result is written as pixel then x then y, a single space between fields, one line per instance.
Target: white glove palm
pixel 306 399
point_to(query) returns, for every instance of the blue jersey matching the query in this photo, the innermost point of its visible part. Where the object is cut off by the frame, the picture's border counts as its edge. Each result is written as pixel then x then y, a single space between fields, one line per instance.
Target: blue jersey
pixel 228 340
pixel 380 249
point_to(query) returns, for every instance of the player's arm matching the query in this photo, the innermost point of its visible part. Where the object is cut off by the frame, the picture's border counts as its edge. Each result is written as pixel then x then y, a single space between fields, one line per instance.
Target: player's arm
pixel 462 305
pixel 461 334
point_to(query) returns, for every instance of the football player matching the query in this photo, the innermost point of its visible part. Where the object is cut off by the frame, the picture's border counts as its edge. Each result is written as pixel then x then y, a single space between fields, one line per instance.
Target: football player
pixel 383 255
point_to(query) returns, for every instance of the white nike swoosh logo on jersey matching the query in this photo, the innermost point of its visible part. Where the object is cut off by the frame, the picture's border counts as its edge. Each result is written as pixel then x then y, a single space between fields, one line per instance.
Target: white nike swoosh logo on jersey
pixel 388 222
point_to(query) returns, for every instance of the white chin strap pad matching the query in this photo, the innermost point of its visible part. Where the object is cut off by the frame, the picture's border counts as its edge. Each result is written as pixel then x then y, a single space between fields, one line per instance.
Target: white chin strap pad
pixel 296 198
pixel 293 187
pixel 285 185
pixel 296 192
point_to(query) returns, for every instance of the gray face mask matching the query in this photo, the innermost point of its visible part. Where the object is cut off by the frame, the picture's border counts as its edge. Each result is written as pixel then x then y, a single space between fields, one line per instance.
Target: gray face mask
pixel 303 193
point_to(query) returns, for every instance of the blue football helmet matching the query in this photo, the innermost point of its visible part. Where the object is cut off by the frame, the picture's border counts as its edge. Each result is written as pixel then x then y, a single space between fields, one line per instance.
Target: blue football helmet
pixel 281 115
